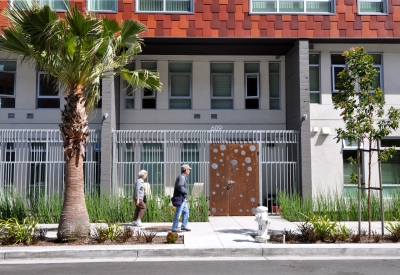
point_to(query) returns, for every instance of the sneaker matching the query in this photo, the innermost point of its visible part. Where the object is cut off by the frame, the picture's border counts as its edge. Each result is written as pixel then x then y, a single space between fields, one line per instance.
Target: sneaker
pixel 176 230
pixel 186 229
pixel 139 223
pixel 134 223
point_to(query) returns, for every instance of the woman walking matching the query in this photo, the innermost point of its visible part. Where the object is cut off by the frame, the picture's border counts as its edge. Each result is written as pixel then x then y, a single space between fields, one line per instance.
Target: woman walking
pixel 138 196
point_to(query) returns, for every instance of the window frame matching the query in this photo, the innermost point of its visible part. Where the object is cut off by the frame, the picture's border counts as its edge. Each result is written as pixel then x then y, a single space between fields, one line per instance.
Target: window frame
pixel 40 3
pixel 38 96
pixel 164 11
pixel 231 97
pixel 398 152
pixel 89 8
pixel 332 5
pixel 319 77
pixel 13 96
pixel 346 146
pixel 170 96
pixel 280 85
pixel 126 87
pixel 384 12
pixel 154 92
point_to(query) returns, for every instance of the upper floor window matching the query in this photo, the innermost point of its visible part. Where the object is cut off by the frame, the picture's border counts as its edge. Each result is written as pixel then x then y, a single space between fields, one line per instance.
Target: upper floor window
pixel 372 6
pixel 102 5
pixel 339 63
pixel 221 85
pixel 58 5
pixel 180 85
pixel 252 78
pixel 149 99
pixel 294 6
pixel 164 6
pixel 314 78
pixel 48 92
pixel 7 84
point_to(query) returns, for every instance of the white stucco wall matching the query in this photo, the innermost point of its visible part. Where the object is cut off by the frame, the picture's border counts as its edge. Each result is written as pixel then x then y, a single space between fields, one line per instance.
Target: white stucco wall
pixel 327 161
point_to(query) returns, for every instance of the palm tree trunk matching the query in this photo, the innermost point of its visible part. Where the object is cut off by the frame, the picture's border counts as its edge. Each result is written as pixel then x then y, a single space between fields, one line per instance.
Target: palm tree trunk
pixel 74 220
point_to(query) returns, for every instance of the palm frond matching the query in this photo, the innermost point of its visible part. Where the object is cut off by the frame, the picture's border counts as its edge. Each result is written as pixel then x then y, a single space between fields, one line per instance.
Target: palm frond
pixel 142 78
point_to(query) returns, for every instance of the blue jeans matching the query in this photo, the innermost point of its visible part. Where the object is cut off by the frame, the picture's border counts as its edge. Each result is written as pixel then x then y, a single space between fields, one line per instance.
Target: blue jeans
pixel 184 210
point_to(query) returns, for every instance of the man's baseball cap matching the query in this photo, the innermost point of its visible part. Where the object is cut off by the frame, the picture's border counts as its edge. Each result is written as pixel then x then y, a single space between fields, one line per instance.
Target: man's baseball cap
pixel 185 167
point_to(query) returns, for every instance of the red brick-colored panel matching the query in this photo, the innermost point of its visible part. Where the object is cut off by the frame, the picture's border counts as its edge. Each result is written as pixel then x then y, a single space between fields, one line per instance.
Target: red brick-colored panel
pixel 357 23
pixel 239 31
pixel 390 9
pixel 223 2
pixel 263 33
pixel 334 18
pixel 223 15
pixel 255 31
pixel 195 17
pixel 121 6
pixel 326 23
pixel 302 31
pixel 255 17
pixel 385 33
pixel 286 31
pixel 199 24
pixel 342 33
pixel 342 24
pixel 199 7
pixel 349 2
pixel 278 22
pixel 278 33
pixel 270 30
pixel 167 23
pixel 271 18
pixel 199 33
pixel 396 31
pixel 223 31
pixel 389 24
pixel 381 18
pixel 159 31
pixel 246 6
pixel 310 24
pixel 246 22
pixel 262 24
pixel 175 17
pixel 191 31
pixel 151 22
pixel 231 23
pixel 395 2
pixel 239 15
pixel 294 23
pixel 215 23
pixel 207 29
pixel 341 8
pixel 302 18
pixel 365 18
pixel 310 33
pixel 396 14
pixel 215 6
pixel 352 32
pixel 334 31
pixel 207 2
pixel 286 18
pixel 159 16
pixel 318 18
pixel 207 15
pixel 142 17
pixel 373 24
pixel 349 17
pixel 231 7
pixel 183 24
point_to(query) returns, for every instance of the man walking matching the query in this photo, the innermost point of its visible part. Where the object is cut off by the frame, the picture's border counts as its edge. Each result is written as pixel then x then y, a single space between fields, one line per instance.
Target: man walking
pixel 180 190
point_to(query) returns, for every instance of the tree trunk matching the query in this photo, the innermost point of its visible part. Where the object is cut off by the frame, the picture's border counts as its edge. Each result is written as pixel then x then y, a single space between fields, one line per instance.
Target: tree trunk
pixel 74 220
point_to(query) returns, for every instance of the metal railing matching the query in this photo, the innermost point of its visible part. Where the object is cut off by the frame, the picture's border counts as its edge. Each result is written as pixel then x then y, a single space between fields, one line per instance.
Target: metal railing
pixel 32 162
pixel 162 153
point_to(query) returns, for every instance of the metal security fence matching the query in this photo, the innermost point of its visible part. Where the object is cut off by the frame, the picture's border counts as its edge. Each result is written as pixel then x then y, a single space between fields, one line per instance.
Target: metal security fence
pixel 32 162
pixel 162 153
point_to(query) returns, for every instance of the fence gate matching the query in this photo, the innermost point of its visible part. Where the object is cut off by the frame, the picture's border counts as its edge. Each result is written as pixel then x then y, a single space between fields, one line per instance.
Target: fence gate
pixel 234 179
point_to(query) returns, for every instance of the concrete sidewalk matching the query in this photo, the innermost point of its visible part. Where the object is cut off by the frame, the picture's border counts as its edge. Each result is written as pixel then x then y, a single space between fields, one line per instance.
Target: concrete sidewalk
pixel 220 237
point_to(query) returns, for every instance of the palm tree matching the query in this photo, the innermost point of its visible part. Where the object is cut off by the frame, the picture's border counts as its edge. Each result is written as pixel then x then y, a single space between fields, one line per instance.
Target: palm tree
pixel 77 49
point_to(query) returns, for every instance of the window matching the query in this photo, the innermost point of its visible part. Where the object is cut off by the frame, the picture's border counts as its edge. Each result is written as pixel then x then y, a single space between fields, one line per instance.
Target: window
pixel 274 86
pixel 152 160
pixel 252 75
pixel 221 85
pixel 170 6
pixel 102 5
pixel 350 150
pixel 190 155
pixel 314 78
pixel 180 85
pixel 38 168
pixel 372 6
pixel 294 6
pixel 129 91
pixel 8 167
pixel 48 91
pixel 7 83
pixel 149 100
pixel 338 64
pixel 391 169
pixel 60 5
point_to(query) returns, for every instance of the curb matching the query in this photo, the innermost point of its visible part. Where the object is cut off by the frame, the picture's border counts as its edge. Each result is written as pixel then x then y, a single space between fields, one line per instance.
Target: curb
pixel 273 250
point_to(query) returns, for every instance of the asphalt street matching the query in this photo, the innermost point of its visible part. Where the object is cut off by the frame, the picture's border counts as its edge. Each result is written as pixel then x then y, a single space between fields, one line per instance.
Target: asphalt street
pixel 220 267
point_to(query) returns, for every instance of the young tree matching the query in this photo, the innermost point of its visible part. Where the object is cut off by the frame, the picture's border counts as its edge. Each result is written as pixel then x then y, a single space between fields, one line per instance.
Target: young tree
pixel 77 49
pixel 363 106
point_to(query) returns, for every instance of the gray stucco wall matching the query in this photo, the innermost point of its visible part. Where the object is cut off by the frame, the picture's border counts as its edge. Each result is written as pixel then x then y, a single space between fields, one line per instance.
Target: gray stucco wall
pixel 298 108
